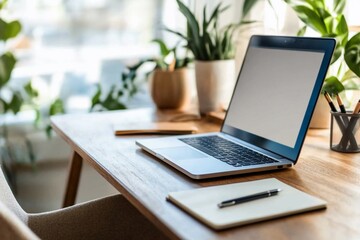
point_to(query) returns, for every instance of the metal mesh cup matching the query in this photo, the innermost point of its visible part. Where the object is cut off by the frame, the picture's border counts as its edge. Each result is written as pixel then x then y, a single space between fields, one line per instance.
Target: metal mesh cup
pixel 344 132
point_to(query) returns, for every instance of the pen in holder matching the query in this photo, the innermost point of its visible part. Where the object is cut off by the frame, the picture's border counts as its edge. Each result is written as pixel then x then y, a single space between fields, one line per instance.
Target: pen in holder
pixel 344 134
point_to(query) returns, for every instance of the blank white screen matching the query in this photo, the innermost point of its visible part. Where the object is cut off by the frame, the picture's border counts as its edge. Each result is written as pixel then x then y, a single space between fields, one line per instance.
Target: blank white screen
pixel 273 92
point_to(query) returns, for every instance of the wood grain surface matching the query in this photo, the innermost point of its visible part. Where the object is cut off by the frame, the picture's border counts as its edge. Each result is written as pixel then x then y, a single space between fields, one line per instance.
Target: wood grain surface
pixel 145 181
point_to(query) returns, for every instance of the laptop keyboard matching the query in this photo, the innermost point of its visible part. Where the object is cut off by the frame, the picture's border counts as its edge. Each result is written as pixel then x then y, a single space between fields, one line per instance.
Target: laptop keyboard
pixel 227 151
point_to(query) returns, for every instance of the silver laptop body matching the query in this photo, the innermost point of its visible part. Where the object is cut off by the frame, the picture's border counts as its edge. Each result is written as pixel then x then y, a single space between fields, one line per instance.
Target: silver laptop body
pixel 271 107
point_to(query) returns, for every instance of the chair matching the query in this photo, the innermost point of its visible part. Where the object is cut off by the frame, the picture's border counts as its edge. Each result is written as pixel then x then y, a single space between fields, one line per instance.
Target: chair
pixel 11 227
pixel 106 218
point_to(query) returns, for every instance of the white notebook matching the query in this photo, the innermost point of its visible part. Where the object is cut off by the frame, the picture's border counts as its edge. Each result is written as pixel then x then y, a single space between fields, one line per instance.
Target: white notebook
pixel 202 203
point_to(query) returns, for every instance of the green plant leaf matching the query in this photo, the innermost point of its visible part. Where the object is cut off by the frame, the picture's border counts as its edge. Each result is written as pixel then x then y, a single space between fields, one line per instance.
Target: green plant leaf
pixel 37 117
pixel 2 4
pixel 339 6
pixel 4 106
pixel 316 4
pixel 352 84
pixel 210 42
pixel 7 64
pixel 213 16
pixel 302 31
pixel 33 93
pixel 329 23
pixel 350 81
pixel 337 52
pixel 9 30
pixel 15 103
pixel 248 5
pixel 193 29
pixel 178 33
pixel 352 54
pixel 57 107
pixel 332 85
pixel 164 50
pixel 112 103
pixel 96 98
pixel 342 30
pixel 311 18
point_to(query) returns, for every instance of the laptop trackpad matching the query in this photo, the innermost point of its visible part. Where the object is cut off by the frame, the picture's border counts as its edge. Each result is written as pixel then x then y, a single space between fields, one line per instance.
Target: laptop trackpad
pixel 180 153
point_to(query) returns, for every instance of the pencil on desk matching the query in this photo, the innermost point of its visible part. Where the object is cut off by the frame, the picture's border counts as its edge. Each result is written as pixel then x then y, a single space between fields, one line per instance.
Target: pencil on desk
pixel 340 103
pixel 331 104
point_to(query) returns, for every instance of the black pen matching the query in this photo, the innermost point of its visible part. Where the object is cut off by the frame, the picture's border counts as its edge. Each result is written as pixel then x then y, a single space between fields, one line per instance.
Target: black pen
pixel 331 104
pixel 248 198
pixel 340 103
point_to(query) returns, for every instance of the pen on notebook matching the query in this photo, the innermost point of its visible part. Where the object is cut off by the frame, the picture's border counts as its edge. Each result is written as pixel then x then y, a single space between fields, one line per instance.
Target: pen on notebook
pixel 357 108
pixel 340 103
pixel 331 104
pixel 234 201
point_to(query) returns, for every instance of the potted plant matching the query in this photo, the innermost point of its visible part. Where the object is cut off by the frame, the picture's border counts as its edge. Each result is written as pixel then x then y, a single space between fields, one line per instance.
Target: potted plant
pixel 169 82
pixel 213 48
pixel 327 18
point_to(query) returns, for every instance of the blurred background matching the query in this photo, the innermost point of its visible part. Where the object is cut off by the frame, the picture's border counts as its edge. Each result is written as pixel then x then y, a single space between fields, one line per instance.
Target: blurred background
pixel 68 48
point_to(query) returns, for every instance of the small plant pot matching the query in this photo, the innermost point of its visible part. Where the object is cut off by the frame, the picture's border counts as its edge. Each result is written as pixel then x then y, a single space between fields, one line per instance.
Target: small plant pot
pixel 215 81
pixel 170 89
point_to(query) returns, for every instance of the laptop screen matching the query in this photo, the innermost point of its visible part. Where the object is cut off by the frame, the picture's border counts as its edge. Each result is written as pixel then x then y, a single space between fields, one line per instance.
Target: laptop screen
pixel 276 89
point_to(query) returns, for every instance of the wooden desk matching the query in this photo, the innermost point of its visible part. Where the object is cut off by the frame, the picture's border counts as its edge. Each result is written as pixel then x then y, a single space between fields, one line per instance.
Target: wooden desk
pixel 145 181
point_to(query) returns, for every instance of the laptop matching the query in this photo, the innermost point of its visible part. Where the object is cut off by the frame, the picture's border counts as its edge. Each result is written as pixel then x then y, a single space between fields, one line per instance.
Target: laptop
pixel 268 116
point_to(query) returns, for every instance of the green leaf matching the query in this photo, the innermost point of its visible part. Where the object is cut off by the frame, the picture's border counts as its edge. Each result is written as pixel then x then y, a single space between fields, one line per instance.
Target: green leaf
pixel 193 29
pixel 178 33
pixel 213 17
pixel 210 42
pixel 337 52
pixel 316 4
pixel 302 31
pixel 7 64
pixel 4 106
pixel 351 81
pixel 248 5
pixel 57 107
pixel 33 93
pixel 2 4
pixel 48 131
pixel 339 6
pixel 332 85
pixel 9 30
pixel 329 23
pixel 342 30
pixel 352 54
pixel 111 103
pixel 15 103
pixel 348 75
pixel 164 50
pixel 37 117
pixel 311 18
pixel 96 98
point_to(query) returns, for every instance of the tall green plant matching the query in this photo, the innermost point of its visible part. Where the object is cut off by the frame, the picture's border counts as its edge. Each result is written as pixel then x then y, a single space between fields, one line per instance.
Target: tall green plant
pixel 326 17
pixel 206 39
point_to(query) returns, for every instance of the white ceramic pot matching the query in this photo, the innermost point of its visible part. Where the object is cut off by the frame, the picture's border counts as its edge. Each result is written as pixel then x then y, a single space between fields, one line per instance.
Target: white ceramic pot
pixel 215 82
pixel 321 116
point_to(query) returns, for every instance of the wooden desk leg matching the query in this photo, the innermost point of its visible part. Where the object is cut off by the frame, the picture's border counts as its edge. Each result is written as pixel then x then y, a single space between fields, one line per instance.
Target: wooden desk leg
pixel 73 180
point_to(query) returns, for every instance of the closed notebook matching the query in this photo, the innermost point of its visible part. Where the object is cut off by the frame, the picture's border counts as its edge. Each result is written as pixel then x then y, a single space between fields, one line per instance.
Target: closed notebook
pixel 155 128
pixel 202 203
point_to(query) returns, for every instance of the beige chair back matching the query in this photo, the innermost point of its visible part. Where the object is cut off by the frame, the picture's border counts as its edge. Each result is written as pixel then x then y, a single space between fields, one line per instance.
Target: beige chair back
pixel 8 199
pixel 11 227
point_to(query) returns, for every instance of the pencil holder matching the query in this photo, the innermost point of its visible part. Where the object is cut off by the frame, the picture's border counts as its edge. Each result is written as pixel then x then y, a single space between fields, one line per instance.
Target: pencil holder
pixel 344 132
